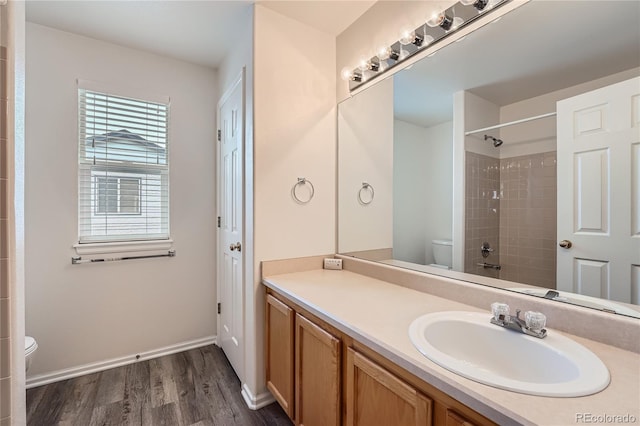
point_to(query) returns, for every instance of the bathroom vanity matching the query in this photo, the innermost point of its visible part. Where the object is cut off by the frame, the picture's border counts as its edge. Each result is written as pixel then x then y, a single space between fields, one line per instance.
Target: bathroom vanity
pixel 338 351
pixel 315 371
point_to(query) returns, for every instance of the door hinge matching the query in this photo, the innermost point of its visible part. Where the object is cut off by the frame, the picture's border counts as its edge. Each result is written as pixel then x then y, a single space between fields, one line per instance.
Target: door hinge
pixel 218 221
pixel 219 307
pixel 219 135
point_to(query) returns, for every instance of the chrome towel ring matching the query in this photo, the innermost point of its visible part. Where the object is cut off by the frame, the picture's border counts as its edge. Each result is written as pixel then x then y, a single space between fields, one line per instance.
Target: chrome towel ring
pixel 366 188
pixel 302 182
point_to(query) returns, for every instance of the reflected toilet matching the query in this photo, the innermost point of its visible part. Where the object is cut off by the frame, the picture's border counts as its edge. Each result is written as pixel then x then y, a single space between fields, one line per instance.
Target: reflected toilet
pixel 442 253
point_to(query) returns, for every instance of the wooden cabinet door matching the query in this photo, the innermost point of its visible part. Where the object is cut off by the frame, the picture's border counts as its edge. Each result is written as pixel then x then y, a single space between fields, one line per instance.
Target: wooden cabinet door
pixel 317 375
pixel 377 397
pixel 455 419
pixel 279 352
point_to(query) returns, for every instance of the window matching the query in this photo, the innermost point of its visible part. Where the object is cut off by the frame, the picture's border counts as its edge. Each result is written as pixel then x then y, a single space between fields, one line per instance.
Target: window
pixel 117 195
pixel 123 168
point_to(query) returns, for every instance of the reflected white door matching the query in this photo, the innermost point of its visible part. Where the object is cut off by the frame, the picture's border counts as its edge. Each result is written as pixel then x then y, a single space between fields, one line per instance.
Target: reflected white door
pixel 598 192
pixel 230 235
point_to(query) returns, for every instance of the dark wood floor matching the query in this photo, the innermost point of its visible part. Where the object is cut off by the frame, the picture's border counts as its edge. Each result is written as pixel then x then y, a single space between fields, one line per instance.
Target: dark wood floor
pixel 196 387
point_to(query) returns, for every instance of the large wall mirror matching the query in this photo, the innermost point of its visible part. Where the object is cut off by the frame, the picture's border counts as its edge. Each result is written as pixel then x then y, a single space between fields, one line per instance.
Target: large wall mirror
pixel 462 164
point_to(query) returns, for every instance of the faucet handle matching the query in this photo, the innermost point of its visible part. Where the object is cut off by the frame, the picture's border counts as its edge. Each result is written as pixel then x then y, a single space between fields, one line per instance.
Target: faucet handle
pixel 535 321
pixel 500 309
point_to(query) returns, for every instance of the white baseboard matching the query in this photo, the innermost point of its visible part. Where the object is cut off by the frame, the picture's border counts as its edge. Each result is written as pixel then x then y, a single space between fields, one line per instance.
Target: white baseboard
pixel 81 370
pixel 256 402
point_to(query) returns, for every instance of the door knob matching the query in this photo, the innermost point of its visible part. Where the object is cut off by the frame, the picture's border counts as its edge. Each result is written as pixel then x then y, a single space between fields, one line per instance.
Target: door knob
pixel 236 246
pixel 565 244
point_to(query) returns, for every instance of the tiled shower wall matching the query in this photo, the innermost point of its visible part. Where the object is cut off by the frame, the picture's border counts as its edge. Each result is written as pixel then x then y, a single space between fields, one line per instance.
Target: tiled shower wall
pixel 511 204
pixel 482 213
pixel 5 348
pixel 528 219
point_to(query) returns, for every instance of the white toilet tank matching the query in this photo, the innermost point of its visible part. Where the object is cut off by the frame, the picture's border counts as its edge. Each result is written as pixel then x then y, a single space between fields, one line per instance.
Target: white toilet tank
pixel 443 252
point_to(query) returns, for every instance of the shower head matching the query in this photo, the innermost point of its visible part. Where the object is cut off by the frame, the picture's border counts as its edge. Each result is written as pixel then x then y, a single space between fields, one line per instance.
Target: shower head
pixel 496 142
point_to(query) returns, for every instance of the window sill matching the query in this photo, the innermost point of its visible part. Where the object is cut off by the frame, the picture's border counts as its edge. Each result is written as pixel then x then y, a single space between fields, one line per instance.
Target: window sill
pixel 122 247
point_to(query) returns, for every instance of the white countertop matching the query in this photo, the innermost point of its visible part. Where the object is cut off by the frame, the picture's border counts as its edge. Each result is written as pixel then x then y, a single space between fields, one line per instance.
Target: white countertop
pixel 377 314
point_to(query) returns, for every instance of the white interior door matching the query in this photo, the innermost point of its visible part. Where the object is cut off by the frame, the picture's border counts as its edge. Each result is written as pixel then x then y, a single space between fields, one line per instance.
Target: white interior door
pixel 230 223
pixel 598 192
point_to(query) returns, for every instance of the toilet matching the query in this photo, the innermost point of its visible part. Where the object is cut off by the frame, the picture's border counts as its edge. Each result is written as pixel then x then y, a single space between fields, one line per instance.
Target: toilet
pixel 442 253
pixel 30 347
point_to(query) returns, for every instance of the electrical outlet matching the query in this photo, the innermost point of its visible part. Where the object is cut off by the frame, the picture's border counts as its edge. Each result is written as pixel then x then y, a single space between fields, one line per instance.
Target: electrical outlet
pixel 333 264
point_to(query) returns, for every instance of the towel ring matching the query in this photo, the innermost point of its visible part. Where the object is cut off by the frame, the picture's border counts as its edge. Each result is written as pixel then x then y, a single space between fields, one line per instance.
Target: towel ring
pixel 302 182
pixel 366 186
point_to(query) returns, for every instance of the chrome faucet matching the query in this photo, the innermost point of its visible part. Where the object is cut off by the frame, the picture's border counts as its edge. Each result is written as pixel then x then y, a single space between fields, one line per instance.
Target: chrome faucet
pixel 532 325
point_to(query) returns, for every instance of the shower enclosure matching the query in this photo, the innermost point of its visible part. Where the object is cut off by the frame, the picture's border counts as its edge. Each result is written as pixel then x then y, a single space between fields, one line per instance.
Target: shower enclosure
pixel 511 204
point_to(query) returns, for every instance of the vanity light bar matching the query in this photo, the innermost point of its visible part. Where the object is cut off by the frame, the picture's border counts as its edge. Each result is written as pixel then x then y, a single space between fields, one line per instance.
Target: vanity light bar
pixel 455 17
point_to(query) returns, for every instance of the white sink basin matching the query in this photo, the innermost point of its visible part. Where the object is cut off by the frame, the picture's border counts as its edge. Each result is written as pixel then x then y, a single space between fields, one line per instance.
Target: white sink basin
pixel 467 344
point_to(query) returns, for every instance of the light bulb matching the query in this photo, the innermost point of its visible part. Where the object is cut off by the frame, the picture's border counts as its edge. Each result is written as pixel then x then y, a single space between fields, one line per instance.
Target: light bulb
pixel 407 37
pixel 349 75
pixel 441 20
pixel 363 65
pixel 346 74
pixel 383 53
pixel 436 19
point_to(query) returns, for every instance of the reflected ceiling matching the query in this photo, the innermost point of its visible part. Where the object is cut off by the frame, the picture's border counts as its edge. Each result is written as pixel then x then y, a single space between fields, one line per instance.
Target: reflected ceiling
pixel 538 57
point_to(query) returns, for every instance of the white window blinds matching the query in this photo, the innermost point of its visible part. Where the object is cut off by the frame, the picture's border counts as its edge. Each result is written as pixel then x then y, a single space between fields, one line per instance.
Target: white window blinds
pixel 123 161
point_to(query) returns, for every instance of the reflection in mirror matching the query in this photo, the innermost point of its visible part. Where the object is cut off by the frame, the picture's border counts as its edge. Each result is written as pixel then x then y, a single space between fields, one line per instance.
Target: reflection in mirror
pixel 470 154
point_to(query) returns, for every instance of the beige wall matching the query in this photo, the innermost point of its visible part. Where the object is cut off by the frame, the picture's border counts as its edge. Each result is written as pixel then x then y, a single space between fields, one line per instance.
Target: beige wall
pixel 93 313
pixel 294 136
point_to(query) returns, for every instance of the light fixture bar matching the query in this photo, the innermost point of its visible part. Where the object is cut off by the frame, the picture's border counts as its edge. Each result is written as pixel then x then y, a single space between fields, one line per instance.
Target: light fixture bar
pixel 459 16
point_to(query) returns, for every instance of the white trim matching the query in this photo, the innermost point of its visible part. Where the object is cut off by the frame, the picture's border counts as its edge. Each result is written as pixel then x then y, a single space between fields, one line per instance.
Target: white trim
pixel 123 246
pixel 256 402
pixel 81 370
pixel 229 91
